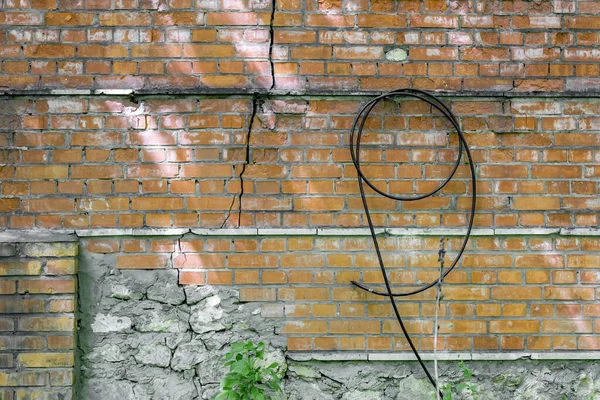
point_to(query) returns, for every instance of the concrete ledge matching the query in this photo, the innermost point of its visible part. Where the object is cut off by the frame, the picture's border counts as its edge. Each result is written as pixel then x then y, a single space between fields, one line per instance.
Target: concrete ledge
pixel 130 232
pixel 526 231
pixel 327 356
pixel 37 236
pixel 438 232
pixel 333 232
pixel 71 92
pixel 114 92
pixel 580 232
pixel 442 356
pixel 348 231
pixel 281 93
pixel 287 232
pixel 226 232
pixel 50 235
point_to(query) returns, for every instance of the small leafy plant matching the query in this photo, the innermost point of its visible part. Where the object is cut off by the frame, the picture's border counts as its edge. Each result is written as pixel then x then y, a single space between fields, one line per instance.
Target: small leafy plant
pixel 465 384
pixel 248 378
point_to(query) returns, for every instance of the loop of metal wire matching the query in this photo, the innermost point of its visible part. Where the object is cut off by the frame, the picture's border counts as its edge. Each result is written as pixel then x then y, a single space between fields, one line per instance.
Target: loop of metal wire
pixel 356 135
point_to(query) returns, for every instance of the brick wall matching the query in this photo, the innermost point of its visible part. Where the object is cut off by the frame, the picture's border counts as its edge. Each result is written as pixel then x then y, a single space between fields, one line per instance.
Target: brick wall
pixel 509 293
pixel 37 321
pixel 328 45
pixel 109 162
pixel 187 115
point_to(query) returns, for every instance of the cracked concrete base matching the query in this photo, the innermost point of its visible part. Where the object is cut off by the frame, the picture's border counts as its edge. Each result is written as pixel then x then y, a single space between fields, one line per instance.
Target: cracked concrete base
pixel 143 336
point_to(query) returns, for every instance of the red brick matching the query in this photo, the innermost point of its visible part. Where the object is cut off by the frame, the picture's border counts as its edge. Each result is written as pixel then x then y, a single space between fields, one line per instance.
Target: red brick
pixel 141 261
pixel 124 19
pixel 53 51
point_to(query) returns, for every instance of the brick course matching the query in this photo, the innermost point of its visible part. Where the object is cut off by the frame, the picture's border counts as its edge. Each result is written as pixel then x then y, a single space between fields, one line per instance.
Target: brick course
pixel 37 319
pixel 110 162
pixel 518 46
pixel 508 293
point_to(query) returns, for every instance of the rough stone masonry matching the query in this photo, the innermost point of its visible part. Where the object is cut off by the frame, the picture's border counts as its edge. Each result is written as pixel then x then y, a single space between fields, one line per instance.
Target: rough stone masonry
pixel 191 157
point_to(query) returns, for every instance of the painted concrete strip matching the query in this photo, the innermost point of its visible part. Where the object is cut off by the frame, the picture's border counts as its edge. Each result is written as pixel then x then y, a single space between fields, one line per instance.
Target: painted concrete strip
pixel 59 235
pixel 442 356
pixel 37 236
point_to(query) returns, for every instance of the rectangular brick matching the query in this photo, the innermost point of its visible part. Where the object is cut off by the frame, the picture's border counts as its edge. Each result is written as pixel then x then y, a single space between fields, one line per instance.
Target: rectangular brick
pixel 142 261
pixel 47 286
pixel 46 324
pixel 50 249
pixel 45 360
pixel 20 268
pixel 515 326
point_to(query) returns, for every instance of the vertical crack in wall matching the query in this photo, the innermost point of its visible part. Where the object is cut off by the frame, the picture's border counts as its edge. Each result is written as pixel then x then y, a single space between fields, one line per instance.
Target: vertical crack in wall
pixel 271 41
pixel 255 106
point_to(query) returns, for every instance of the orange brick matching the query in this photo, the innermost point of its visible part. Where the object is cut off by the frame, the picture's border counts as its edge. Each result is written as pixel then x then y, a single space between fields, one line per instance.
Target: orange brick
pixel 20 268
pixel 54 51
pixel 46 324
pixel 219 277
pixel 47 286
pixel 45 360
pixel 292 294
pixel 514 326
pixel 140 261
pixel 61 343
pixel 299 343
pixel 256 294
pixel 192 278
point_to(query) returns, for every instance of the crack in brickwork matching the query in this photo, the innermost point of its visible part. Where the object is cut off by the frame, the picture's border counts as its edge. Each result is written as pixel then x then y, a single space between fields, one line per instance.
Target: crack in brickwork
pixel 255 106
pixel 251 122
pixel 271 40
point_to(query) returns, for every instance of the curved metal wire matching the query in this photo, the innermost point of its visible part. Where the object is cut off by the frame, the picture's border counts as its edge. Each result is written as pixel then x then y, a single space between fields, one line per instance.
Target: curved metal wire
pixel 356 134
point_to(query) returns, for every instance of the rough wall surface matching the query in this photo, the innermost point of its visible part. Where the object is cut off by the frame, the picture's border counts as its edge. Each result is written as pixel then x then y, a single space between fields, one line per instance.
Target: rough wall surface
pixel 98 162
pixel 306 45
pixel 37 319
pixel 509 293
pixel 235 114
pixel 144 336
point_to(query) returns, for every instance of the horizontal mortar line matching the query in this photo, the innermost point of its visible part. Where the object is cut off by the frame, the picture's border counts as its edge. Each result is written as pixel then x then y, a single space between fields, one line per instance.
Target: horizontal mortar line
pixel 175 92
pixel 63 235
pixel 444 356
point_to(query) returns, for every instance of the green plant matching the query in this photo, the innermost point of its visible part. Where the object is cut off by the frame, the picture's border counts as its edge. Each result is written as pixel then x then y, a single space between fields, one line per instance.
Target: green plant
pixel 248 378
pixel 465 384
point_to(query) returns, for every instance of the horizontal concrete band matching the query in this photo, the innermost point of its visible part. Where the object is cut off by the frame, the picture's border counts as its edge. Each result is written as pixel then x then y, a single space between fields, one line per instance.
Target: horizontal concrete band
pixel 443 356
pixel 72 235
pixel 275 92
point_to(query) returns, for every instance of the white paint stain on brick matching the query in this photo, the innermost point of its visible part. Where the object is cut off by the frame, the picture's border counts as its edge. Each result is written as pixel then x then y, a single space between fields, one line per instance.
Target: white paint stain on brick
pixel 536 107
pixel 396 55
pixel 411 37
pixel 432 52
pixel 544 21
pixel 66 106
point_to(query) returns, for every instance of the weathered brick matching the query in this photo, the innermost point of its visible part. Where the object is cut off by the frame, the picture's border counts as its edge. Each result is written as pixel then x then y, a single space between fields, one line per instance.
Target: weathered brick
pixel 46 324
pixel 50 249
pixel 20 268
pixel 140 261
pixel 47 286
pixel 45 360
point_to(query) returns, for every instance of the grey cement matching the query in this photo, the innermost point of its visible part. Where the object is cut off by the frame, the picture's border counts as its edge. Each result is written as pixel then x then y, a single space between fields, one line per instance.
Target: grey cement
pixel 142 336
